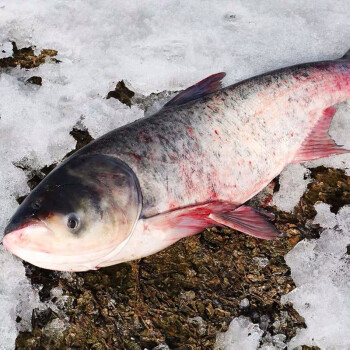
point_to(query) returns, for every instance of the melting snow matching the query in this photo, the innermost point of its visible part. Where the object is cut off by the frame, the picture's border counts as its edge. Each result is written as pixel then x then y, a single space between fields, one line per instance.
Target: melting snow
pixel 153 46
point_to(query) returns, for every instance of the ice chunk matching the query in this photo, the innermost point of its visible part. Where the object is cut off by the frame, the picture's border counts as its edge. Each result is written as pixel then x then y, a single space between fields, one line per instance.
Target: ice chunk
pixel 260 261
pixel 242 334
pixel 244 303
pixel 293 180
pixel 321 271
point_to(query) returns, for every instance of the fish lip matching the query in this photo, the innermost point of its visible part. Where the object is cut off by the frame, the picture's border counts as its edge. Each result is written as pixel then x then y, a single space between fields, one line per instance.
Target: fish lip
pixel 13 240
pixel 15 225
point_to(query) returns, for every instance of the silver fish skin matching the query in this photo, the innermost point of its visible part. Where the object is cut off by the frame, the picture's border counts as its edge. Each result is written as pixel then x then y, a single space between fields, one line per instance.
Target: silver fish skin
pixel 197 161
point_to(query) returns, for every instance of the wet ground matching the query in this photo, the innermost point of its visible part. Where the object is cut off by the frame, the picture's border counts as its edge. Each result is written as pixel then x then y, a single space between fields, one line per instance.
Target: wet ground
pixel 186 294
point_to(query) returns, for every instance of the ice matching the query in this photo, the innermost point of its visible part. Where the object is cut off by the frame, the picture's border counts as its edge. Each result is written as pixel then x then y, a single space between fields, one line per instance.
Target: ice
pixel 244 303
pixel 152 45
pixel 201 324
pixel 293 182
pixel 5 49
pixel 321 271
pixel 16 293
pixel 242 334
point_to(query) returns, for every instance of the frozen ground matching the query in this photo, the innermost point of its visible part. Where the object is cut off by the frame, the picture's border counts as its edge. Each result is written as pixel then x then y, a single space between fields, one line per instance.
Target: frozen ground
pixel 154 46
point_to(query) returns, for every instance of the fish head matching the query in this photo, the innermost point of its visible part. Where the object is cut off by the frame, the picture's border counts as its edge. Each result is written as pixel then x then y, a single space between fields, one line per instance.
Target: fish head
pixel 79 214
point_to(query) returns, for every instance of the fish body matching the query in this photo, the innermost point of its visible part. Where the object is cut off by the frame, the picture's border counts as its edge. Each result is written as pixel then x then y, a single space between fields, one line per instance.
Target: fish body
pixel 195 163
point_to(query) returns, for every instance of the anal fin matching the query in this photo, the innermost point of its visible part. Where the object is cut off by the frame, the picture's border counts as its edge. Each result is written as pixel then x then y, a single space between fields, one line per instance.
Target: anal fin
pixel 319 144
pixel 248 220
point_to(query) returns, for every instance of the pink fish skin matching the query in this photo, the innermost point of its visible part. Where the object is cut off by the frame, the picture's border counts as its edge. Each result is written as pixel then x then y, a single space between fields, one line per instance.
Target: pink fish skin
pixel 209 150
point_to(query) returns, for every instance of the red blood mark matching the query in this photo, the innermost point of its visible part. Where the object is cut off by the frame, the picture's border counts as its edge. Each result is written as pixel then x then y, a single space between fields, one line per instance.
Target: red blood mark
pixel 213 195
pixel 136 156
pixel 274 153
pixel 172 205
pixel 266 202
pixel 216 132
pixel 144 137
pixel 190 131
pixel 291 134
pixel 250 162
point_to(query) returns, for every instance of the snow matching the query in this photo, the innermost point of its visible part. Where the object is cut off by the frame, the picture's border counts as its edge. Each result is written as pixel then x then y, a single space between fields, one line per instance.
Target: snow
pixel 15 295
pixel 153 46
pixel 321 271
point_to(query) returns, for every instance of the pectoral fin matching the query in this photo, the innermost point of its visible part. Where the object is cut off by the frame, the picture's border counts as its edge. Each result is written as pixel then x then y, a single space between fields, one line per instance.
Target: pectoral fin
pixel 319 144
pixel 247 220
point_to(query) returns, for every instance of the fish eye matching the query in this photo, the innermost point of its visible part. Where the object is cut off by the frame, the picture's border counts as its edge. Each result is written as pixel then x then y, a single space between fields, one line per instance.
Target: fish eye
pixel 73 222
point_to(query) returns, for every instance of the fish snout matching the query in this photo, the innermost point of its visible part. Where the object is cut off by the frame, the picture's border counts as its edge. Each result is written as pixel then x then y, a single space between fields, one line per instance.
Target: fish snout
pixel 29 235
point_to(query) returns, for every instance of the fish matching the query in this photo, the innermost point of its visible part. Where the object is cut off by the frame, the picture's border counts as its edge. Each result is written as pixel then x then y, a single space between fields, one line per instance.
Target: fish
pixel 191 165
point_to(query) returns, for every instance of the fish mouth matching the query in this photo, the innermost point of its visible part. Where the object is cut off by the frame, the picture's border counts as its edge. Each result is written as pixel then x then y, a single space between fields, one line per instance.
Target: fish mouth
pixel 32 242
pixel 29 236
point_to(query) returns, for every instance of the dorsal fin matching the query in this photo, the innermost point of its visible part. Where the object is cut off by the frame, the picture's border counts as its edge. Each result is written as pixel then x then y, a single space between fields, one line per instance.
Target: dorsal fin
pixel 346 56
pixel 202 88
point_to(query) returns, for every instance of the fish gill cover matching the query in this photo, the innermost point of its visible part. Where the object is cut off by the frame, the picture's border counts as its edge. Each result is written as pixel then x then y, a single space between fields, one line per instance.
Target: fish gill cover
pixel 184 296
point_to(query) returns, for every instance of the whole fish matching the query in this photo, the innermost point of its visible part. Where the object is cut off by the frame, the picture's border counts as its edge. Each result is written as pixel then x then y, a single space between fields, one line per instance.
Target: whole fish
pixel 192 165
